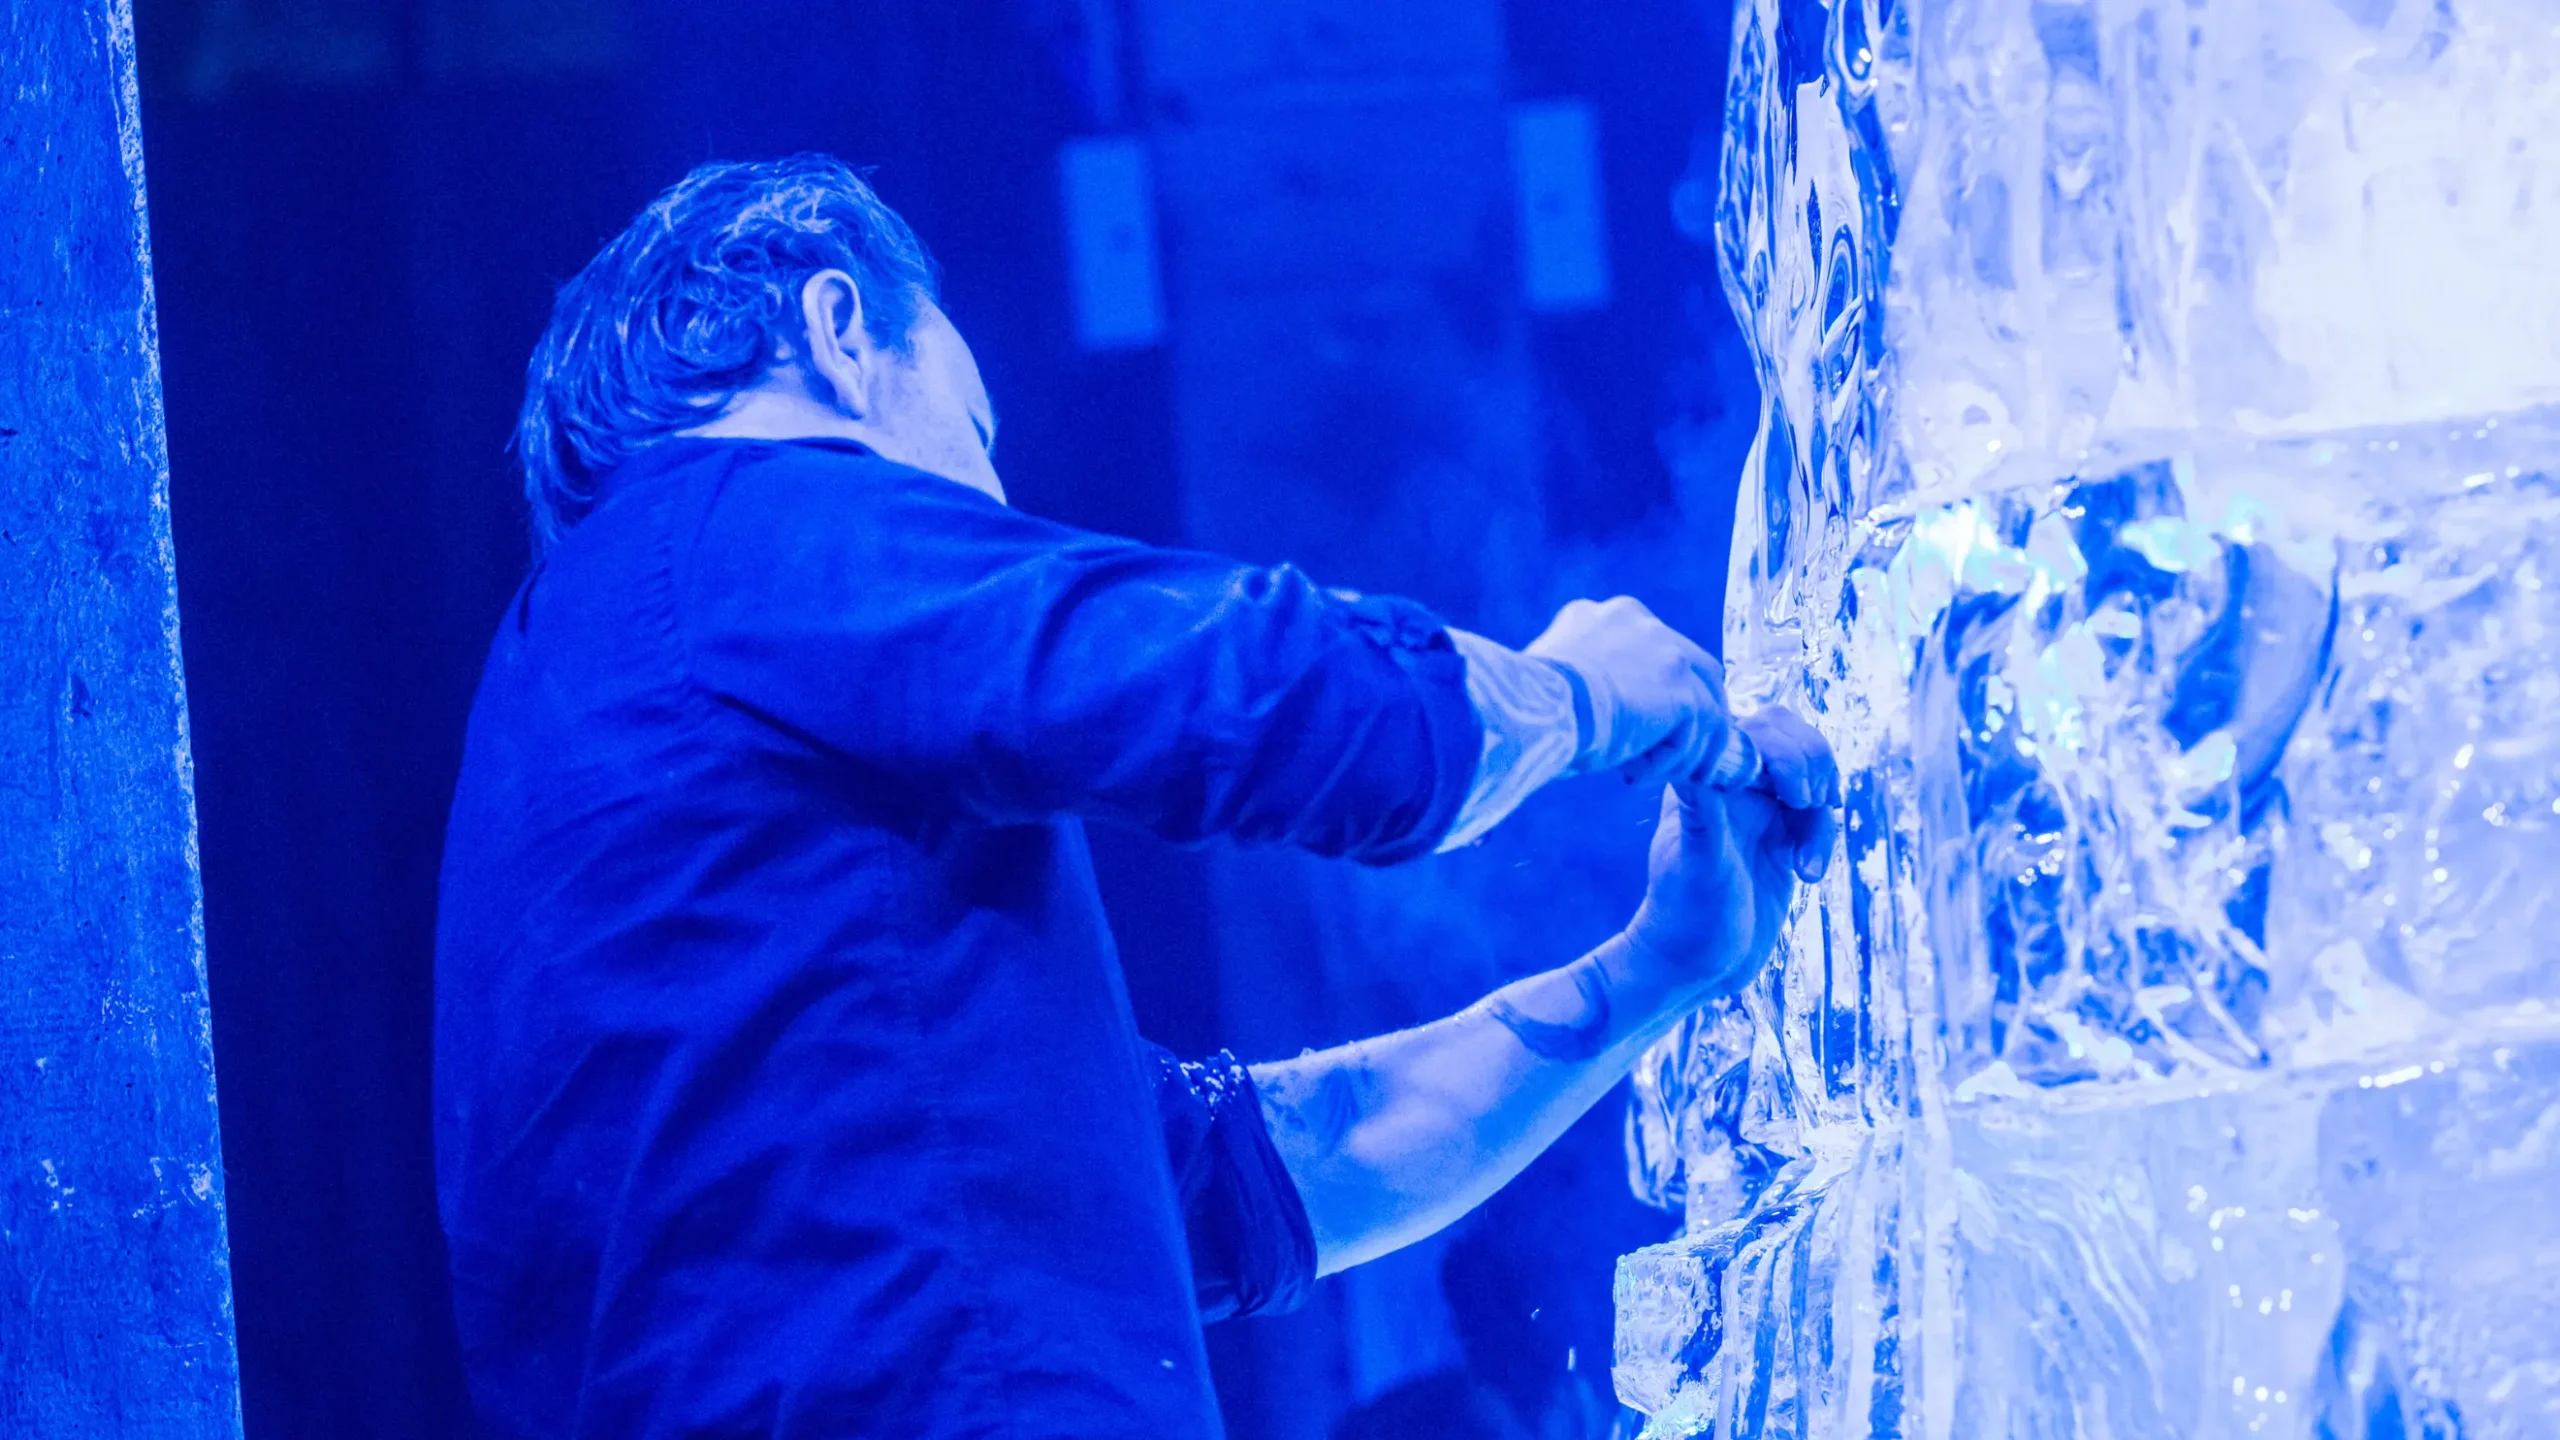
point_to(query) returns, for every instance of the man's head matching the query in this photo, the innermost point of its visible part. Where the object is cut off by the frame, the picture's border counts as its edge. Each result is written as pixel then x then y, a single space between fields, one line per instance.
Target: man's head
pixel 771 300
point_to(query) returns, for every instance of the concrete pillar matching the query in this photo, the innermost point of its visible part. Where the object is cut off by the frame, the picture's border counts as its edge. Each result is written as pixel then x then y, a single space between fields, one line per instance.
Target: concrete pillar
pixel 115 1293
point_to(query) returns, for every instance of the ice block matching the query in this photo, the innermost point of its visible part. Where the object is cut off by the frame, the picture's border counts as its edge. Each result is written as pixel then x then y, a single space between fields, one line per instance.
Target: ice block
pixel 2155 477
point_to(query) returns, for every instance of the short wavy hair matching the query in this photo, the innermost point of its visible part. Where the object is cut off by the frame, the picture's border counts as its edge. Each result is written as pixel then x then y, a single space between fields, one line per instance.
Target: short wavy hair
pixel 692 303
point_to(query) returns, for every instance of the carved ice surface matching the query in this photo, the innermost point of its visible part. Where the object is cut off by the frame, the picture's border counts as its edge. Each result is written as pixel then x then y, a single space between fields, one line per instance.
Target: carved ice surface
pixel 2155 502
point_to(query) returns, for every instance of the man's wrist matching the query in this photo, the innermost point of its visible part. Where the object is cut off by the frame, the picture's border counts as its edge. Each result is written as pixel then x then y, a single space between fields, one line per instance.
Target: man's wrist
pixel 1645 986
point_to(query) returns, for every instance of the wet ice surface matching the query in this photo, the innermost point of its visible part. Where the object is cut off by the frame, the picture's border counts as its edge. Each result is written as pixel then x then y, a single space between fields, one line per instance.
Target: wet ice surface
pixel 2158 505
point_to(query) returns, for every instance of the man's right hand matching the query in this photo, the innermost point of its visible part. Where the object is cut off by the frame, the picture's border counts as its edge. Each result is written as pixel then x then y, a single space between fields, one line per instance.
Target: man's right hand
pixel 1657 699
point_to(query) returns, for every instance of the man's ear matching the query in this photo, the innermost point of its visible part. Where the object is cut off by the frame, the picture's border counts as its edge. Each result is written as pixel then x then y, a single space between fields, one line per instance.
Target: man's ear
pixel 837 347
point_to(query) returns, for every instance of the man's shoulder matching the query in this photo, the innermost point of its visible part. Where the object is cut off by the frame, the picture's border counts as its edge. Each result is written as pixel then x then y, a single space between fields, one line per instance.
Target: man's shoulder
pixel 818 528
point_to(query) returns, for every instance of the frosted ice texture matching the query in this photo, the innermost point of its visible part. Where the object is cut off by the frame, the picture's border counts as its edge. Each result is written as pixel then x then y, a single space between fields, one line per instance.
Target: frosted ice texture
pixel 2153 499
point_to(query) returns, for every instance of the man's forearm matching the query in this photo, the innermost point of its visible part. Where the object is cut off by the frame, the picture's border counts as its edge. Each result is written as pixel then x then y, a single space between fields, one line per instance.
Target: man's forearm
pixel 1392 1138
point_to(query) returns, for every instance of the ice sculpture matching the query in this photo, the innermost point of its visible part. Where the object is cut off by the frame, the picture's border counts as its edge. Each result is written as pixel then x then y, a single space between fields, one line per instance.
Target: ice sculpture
pixel 2153 500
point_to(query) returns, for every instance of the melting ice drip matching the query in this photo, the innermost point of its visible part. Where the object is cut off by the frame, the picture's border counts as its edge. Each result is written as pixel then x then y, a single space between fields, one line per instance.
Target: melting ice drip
pixel 2157 501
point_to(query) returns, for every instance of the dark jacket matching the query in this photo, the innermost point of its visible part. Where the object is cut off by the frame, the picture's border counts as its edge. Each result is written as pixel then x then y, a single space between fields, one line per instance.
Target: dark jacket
pixel 785 1078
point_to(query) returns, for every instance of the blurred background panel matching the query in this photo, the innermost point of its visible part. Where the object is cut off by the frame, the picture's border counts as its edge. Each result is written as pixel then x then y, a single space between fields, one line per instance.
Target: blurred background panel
pixel 1415 295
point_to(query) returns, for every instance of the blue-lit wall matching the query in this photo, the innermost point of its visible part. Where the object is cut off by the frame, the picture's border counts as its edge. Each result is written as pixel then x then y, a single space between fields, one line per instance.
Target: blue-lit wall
pixel 115 1295
pixel 361 210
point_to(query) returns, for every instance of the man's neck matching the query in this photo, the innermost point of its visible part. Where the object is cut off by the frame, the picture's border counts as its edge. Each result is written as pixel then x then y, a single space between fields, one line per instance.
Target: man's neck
pixel 778 412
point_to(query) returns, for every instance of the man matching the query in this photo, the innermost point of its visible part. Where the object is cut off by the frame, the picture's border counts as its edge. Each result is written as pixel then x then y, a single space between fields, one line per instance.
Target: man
pixel 786 1086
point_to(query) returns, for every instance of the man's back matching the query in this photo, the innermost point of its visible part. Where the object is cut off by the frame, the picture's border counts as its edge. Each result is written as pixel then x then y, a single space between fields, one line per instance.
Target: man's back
pixel 786 1084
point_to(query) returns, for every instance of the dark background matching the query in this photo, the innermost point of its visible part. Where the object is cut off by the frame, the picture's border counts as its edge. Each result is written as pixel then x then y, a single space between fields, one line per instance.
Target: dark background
pixel 359 211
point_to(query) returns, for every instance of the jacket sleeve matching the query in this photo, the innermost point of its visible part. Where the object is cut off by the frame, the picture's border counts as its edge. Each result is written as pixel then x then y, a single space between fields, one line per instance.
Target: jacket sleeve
pixel 1030 669
pixel 1252 1249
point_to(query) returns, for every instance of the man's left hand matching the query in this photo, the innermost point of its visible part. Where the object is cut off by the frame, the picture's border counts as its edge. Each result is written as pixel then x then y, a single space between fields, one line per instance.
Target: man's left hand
pixel 1726 863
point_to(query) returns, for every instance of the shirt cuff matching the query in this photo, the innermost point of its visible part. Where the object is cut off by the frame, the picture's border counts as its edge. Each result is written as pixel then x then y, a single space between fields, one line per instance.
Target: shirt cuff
pixel 1252 1250
pixel 1532 733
